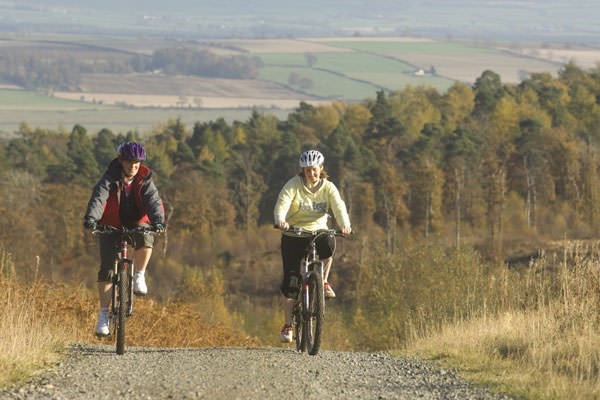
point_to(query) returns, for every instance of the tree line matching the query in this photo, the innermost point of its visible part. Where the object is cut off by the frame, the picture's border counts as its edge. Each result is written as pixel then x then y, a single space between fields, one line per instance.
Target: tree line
pixel 62 70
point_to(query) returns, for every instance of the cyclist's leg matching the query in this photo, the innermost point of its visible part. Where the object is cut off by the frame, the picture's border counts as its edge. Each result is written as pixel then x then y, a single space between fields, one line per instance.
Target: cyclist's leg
pixel 327 288
pixel 292 250
pixel 104 293
pixel 142 257
pixel 142 254
pixel 288 307
pixel 143 251
pixel 106 246
pixel 286 334
pixel 326 250
pixel 326 268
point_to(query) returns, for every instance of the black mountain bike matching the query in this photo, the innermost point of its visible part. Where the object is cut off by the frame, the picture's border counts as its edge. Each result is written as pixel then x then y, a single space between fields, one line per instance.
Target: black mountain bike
pixel 309 309
pixel 121 305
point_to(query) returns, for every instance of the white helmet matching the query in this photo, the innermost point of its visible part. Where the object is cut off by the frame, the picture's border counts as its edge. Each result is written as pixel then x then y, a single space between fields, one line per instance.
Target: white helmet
pixel 311 158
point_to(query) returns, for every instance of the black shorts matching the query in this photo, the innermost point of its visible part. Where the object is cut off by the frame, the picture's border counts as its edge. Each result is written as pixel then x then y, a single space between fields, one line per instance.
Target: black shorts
pixel 108 245
pixel 292 251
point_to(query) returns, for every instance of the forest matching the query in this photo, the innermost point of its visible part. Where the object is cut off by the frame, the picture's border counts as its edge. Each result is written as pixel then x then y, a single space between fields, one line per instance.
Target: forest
pixel 53 70
pixel 461 179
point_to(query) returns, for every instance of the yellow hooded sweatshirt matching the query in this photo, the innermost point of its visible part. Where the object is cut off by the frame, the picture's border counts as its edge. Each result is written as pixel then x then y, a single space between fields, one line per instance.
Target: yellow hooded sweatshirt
pixel 301 208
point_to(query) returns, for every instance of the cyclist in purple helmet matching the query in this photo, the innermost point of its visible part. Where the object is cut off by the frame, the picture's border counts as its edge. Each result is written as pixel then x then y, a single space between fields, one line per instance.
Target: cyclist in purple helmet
pixel 125 196
pixel 305 202
pixel 131 151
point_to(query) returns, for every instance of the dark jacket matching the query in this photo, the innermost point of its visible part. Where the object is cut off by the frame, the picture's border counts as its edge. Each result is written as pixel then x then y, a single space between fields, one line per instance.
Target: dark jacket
pixel 108 204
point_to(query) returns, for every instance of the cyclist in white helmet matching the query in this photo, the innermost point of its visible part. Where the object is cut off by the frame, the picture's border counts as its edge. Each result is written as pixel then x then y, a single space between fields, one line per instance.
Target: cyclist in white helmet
pixel 304 202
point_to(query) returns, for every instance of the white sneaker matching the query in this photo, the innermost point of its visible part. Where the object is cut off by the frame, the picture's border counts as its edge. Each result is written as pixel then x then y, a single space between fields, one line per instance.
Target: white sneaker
pixel 102 326
pixel 287 334
pixel 139 284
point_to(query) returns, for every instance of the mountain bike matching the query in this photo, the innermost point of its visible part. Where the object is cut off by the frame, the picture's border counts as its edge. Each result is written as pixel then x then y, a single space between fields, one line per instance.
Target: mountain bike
pixel 309 309
pixel 121 305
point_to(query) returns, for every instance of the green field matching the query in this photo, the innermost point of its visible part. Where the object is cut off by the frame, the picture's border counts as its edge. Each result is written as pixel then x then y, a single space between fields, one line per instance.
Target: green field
pixel 48 113
pixel 326 84
pixel 350 75
pixel 360 68
pixel 394 48
pixel 27 100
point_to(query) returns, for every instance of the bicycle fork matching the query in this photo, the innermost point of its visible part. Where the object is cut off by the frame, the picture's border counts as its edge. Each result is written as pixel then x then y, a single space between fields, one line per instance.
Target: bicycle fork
pixel 123 262
pixel 307 269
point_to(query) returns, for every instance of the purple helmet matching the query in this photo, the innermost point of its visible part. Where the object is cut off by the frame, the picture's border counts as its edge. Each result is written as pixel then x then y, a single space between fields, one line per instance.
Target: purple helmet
pixel 131 151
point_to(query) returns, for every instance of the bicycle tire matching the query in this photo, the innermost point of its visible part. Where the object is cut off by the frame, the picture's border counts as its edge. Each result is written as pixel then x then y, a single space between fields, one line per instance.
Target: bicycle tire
pixel 313 318
pixel 122 287
pixel 298 335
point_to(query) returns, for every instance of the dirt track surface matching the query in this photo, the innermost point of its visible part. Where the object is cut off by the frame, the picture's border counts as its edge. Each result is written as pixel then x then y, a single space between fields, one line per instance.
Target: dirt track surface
pixel 96 372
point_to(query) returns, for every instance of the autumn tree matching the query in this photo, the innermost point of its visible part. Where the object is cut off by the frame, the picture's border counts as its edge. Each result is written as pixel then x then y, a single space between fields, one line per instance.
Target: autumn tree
pixel 459 149
pixel 497 136
pixel 355 118
pixel 105 147
pixel 392 211
pixel 488 91
pixel 456 106
pixel 415 107
pixel 425 181
pixel 28 151
pixel 80 164
pixel 553 97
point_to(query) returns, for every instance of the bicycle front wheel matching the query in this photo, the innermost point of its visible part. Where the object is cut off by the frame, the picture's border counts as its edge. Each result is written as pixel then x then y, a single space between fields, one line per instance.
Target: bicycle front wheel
pixel 298 331
pixel 122 290
pixel 313 318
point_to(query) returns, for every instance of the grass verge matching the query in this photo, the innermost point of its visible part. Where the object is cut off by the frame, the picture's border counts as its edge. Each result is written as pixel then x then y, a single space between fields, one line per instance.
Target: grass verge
pixel 38 320
pixel 548 348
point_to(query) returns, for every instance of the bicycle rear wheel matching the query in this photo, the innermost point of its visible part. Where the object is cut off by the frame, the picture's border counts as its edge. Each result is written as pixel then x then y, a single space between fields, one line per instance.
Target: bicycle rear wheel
pixel 313 317
pixel 122 288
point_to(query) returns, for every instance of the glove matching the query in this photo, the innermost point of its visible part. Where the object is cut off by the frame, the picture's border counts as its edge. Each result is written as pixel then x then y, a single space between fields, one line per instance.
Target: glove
pixel 90 223
pixel 158 227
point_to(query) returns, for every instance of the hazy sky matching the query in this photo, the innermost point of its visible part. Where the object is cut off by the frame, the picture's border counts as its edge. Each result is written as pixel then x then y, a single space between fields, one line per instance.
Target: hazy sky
pixel 552 20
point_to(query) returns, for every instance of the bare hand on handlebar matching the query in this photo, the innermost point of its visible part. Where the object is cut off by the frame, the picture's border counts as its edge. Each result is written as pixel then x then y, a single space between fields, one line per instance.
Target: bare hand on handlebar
pixel 284 226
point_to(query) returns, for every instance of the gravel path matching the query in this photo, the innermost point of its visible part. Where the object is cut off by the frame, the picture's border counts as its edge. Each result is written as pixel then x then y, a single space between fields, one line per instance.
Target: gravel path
pixel 96 372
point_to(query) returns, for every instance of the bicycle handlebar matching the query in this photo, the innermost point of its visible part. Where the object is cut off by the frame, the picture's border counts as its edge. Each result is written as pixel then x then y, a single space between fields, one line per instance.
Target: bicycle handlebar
pixel 108 229
pixel 308 233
